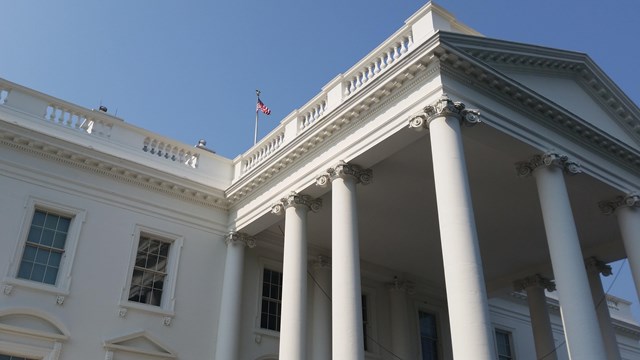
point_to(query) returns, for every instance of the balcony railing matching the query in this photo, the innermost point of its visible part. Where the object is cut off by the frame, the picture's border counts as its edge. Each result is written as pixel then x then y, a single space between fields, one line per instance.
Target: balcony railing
pixel 109 134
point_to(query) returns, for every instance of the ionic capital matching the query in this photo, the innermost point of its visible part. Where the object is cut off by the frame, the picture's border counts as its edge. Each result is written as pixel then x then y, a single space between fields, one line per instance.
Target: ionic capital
pixel 608 207
pixel 593 264
pixel 342 170
pixel 236 237
pixel 321 262
pixel 447 108
pixel 296 200
pixel 534 280
pixel 526 168
pixel 401 286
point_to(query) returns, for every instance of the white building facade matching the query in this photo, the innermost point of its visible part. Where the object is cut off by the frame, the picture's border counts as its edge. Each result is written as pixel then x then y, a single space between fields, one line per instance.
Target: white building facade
pixel 448 197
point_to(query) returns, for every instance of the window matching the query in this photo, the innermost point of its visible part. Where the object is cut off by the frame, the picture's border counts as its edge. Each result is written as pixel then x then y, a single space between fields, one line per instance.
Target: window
pixel 44 247
pixel 271 306
pixel 153 271
pixel 149 271
pixel 503 345
pixel 365 323
pixel 10 357
pixel 428 335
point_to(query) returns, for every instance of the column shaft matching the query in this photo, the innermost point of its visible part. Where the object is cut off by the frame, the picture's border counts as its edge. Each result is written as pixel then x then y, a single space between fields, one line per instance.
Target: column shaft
pixel 602 311
pixel 582 333
pixel 466 294
pixel 629 220
pixel 227 344
pixel 321 324
pixel 540 323
pixel 293 328
pixel 348 342
pixel 400 344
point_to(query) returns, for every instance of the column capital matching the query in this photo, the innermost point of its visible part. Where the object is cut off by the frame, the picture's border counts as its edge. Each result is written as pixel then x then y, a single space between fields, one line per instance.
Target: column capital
pixel 297 200
pixel 321 262
pixel 593 264
pixel 608 207
pixel 444 107
pixel 344 169
pixel 401 286
pixel 534 280
pixel 236 237
pixel 526 168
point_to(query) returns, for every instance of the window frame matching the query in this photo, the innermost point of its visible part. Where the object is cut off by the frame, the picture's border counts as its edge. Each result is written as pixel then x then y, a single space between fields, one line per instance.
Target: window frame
pixel 167 302
pixel 272 265
pixel 370 343
pixel 439 331
pixel 63 280
pixel 512 344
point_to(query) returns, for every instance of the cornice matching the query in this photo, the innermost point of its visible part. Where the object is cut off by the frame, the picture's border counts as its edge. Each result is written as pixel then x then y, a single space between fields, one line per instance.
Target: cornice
pixel 415 67
pixel 548 60
pixel 120 171
pixel 463 66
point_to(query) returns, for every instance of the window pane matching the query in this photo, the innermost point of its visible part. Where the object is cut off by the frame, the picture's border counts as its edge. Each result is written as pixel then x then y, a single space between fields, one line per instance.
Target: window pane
pixel 54 259
pixel 34 234
pixel 63 225
pixel 29 253
pixel 42 256
pixel 59 239
pixel 38 272
pixel 51 221
pixel 25 270
pixel 51 275
pixel 38 218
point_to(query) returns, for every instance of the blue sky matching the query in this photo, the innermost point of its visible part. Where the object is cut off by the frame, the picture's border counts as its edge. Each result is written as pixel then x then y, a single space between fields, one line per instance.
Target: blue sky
pixel 189 69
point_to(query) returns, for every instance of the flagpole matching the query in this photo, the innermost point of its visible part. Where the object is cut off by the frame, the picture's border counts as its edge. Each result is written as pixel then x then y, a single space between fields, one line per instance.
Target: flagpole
pixel 255 133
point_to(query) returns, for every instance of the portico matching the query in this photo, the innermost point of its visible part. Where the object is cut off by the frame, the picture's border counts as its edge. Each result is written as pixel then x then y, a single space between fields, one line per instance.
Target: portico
pixel 445 208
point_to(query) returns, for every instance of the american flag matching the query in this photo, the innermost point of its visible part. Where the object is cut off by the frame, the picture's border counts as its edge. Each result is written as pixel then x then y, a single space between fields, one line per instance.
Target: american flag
pixel 262 107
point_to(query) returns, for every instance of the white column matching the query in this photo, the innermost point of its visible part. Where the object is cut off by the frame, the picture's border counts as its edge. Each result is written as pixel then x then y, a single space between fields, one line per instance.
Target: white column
pixel 227 344
pixel 346 306
pixel 596 267
pixel 321 323
pixel 539 313
pixel 293 328
pixel 582 333
pixel 400 339
pixel 471 330
pixel 627 209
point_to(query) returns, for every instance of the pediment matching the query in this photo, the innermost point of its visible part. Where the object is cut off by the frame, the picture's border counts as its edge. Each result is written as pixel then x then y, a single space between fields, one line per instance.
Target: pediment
pixel 139 342
pixel 33 323
pixel 564 79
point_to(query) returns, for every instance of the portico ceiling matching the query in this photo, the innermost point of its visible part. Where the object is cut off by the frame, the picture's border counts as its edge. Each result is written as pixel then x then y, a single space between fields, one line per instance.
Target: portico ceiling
pixel 398 217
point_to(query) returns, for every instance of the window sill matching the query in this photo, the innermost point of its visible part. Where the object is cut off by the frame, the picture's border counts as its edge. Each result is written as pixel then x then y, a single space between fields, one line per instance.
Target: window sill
pixel 259 332
pixel 151 309
pixel 8 284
